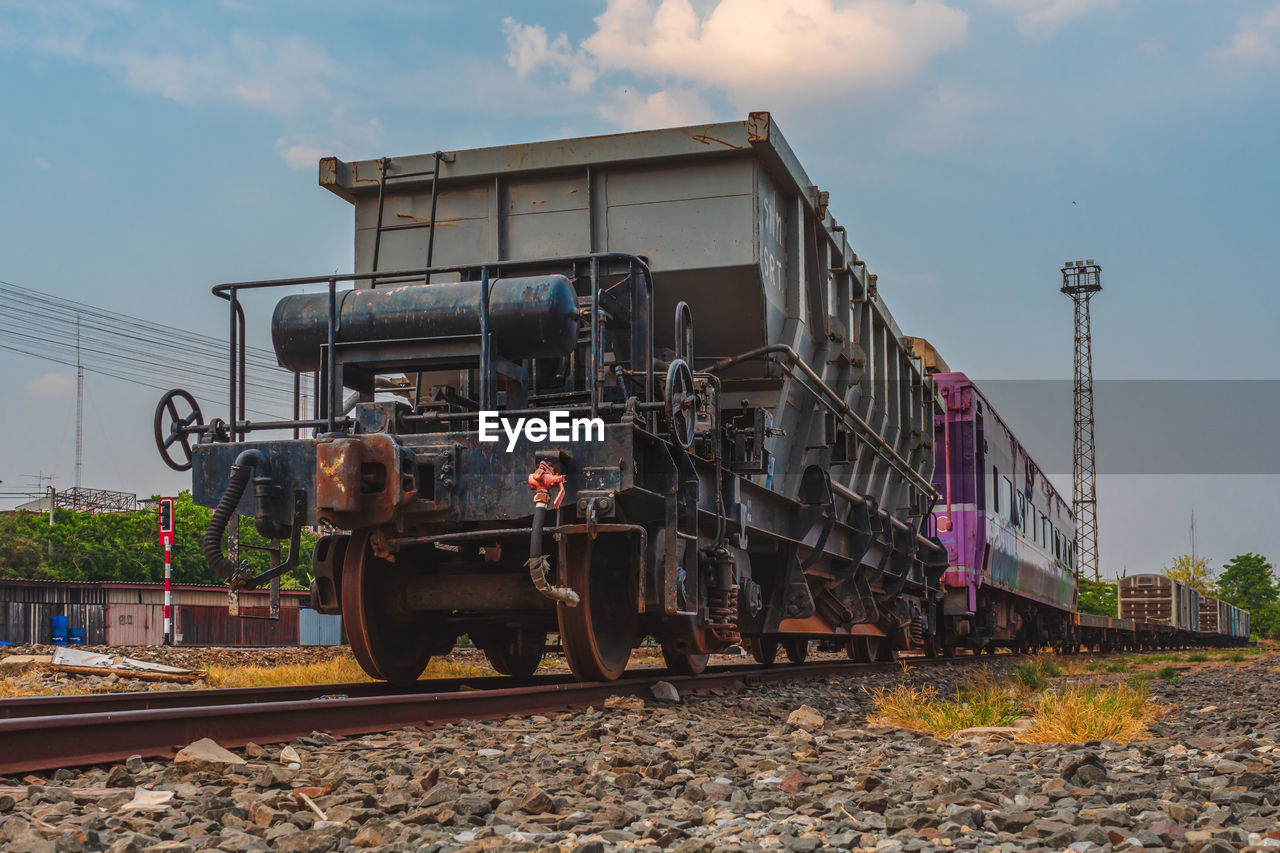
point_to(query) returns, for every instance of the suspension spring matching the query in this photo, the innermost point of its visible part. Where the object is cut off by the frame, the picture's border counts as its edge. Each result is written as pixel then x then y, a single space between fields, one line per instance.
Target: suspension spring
pixel 723 610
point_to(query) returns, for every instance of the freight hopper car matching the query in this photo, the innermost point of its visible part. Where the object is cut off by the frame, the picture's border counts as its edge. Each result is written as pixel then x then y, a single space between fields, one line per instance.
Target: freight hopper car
pixel 740 443
pixel 1009 535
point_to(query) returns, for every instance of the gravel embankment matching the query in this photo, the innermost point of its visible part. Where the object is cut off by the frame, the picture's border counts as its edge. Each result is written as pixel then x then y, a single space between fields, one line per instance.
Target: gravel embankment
pixel 716 772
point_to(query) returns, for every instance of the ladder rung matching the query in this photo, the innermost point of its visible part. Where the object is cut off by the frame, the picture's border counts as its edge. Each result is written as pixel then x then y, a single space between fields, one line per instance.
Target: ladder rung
pixel 404 226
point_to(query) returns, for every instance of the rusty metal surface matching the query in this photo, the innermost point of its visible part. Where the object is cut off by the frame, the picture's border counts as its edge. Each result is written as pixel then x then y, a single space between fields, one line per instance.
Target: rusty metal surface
pixel 101 703
pixel 358 481
pixel 73 739
pixel 210 625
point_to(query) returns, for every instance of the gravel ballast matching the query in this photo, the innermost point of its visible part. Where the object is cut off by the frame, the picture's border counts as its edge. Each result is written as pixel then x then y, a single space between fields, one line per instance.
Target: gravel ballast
pixel 779 767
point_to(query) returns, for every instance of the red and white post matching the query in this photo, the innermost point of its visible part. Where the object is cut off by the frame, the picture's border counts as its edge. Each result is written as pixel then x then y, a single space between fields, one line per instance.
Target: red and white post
pixel 166 539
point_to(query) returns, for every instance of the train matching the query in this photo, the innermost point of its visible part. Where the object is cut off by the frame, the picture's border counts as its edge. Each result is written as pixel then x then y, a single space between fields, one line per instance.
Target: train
pixel 1010 538
pixel 617 387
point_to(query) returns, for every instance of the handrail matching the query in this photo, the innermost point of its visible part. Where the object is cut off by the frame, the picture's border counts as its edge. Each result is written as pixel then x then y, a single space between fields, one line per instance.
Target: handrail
pixel 230 291
pixel 222 290
pixel 834 402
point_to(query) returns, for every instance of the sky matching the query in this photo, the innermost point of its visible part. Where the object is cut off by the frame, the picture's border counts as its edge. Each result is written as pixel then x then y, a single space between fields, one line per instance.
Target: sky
pixel 155 149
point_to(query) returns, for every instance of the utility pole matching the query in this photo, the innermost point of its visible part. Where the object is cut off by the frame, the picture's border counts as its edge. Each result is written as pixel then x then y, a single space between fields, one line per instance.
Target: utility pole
pixel 1193 535
pixel 1080 280
pixel 79 405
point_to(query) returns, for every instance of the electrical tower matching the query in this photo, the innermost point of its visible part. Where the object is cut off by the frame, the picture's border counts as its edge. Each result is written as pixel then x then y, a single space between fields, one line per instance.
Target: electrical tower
pixel 1080 280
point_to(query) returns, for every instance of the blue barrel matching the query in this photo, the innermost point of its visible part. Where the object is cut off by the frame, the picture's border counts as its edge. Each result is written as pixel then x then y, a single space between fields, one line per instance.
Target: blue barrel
pixel 75 636
pixel 59 630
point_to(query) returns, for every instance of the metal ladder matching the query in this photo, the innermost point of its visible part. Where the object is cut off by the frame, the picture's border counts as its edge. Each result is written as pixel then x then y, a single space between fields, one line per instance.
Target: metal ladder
pixel 383 177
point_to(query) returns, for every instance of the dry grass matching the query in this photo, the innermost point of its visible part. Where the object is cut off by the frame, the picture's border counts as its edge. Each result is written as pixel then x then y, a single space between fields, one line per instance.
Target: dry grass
pixel 1073 713
pixel 337 670
pixel 983 700
pixel 1063 713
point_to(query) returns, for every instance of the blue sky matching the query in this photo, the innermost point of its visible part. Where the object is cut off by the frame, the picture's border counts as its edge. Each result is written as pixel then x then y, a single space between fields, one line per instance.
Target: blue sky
pixel 154 149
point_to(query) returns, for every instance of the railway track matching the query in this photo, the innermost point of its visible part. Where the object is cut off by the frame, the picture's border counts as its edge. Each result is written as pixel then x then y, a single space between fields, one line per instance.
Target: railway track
pixel 44 733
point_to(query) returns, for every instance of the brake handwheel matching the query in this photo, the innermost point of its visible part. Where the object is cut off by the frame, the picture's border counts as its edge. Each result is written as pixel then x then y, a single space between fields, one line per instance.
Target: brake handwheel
pixel 681 403
pixel 172 427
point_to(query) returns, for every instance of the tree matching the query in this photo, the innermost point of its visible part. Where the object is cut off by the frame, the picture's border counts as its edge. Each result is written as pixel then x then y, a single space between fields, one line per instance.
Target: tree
pixel 1098 598
pixel 1248 581
pixel 1193 571
pixel 82 546
pixel 1266 619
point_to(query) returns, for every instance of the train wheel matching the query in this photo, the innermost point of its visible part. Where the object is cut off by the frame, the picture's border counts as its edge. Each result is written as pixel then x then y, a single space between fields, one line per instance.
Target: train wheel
pixel 931 647
pixel 948 651
pixel 681 663
pixel 763 649
pixel 797 649
pixel 599 633
pixel 508 658
pixel 390 641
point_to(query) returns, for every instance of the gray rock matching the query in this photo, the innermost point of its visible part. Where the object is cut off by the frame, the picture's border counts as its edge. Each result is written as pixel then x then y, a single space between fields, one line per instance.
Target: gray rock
pixel 665 691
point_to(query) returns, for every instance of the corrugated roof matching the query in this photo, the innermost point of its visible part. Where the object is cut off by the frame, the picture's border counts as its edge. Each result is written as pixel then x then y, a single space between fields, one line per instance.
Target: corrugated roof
pixel 130 585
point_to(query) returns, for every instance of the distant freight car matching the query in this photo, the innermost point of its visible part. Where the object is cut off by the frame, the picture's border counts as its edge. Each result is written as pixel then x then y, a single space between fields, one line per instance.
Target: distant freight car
pixel 1161 600
pixel 1213 614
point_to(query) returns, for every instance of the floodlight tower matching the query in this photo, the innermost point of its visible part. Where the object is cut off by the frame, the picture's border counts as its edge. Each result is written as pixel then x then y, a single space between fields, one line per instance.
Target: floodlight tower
pixel 1080 280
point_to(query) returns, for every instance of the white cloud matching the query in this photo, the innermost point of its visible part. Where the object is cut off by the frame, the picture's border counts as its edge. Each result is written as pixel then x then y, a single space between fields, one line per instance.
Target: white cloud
pixel 1043 18
pixel 52 385
pixel 676 107
pixel 289 77
pixel 1257 39
pixel 303 151
pixel 152 55
pixel 529 49
pixel 757 52
pixel 282 76
pixel 301 156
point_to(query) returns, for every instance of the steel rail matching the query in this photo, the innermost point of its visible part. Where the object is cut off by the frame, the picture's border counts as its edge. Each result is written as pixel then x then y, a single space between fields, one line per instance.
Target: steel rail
pixel 100 703
pixel 69 739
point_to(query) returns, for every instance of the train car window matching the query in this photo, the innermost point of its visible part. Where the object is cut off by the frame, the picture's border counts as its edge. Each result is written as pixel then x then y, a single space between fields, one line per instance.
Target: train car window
pixel 995 489
pixel 1006 497
pixel 1022 512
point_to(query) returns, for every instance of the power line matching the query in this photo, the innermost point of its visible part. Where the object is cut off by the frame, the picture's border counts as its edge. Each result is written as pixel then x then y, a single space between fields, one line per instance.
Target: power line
pixel 134 350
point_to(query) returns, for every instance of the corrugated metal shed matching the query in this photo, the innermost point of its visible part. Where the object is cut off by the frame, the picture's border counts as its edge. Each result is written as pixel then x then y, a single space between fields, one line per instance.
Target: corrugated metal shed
pixel 319 629
pixel 135 625
pixel 195 594
pixel 132 614
pixel 27 609
pixel 213 626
